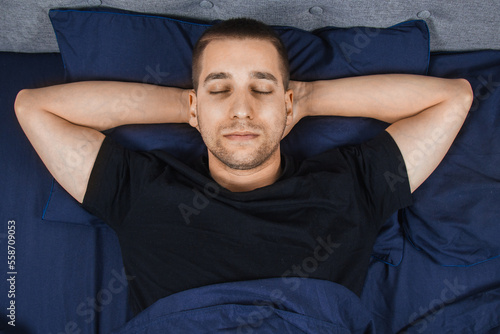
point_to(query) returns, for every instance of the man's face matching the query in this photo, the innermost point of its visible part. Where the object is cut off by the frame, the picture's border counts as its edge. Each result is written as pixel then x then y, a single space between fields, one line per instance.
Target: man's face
pixel 241 108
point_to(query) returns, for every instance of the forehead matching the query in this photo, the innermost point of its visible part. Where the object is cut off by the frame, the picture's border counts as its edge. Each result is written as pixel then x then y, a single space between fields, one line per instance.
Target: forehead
pixel 239 55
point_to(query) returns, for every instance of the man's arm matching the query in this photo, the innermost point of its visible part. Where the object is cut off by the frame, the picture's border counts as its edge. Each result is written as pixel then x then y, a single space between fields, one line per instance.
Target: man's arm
pixel 426 112
pixel 63 122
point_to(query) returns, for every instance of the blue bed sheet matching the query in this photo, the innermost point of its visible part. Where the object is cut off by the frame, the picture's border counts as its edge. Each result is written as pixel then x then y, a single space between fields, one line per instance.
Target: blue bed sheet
pixel 456 213
pixel 68 278
pixel 449 278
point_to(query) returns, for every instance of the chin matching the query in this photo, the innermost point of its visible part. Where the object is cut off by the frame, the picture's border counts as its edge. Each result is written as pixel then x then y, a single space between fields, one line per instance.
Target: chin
pixel 241 159
pixel 244 163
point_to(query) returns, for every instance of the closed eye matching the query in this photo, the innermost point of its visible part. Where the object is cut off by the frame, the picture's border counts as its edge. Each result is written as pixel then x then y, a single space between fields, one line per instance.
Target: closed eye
pixel 262 92
pixel 219 92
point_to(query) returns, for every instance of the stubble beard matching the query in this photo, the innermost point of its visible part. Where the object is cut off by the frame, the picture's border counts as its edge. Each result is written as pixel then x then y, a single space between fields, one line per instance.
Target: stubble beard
pixel 260 156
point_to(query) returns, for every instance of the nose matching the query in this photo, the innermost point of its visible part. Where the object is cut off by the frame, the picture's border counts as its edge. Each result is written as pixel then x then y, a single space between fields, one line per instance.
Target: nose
pixel 241 107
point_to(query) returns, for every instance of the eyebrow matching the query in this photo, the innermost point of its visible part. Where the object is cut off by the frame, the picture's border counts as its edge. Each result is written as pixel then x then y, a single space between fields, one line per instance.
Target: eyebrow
pixel 264 75
pixel 253 74
pixel 216 76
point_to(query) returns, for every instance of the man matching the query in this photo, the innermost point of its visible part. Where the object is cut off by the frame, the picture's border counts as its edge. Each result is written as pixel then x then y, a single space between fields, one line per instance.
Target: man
pixel 244 211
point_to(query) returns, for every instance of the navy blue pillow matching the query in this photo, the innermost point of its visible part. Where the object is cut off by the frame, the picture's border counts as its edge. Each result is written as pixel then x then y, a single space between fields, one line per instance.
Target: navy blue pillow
pixel 110 44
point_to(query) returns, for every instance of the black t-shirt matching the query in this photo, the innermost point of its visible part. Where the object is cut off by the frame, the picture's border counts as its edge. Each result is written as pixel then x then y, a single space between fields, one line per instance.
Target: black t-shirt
pixel 178 229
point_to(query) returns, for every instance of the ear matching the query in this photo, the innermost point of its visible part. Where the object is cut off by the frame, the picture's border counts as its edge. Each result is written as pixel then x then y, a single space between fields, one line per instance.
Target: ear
pixel 193 109
pixel 291 118
pixel 289 107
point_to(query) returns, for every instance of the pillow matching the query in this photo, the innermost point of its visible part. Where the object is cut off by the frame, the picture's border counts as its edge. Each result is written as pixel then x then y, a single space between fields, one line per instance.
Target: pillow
pixel 110 44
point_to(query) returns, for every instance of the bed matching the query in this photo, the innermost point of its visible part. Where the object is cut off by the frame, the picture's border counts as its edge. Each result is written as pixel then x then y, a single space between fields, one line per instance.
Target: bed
pixel 435 266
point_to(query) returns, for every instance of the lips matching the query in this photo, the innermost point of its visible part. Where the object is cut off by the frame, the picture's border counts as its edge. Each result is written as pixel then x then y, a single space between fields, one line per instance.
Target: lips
pixel 241 135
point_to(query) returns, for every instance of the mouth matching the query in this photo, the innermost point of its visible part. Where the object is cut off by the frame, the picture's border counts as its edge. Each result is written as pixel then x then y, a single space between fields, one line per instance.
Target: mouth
pixel 241 135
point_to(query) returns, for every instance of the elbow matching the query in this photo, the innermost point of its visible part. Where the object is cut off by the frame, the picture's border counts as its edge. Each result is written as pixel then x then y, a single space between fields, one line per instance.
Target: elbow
pixel 22 102
pixel 27 102
pixel 465 95
pixel 458 103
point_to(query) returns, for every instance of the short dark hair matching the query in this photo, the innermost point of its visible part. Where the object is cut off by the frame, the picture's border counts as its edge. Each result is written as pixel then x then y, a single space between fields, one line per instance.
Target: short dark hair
pixel 239 28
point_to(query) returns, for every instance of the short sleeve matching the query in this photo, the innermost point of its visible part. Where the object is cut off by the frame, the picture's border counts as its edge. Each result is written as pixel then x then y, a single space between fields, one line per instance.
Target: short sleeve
pixel 117 178
pixel 379 169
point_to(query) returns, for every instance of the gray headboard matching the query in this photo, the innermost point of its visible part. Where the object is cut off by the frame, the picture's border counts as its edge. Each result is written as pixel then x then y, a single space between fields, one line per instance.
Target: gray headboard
pixel 459 25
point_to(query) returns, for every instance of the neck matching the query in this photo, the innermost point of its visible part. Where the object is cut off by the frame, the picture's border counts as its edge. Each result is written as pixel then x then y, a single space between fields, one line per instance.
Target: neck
pixel 245 180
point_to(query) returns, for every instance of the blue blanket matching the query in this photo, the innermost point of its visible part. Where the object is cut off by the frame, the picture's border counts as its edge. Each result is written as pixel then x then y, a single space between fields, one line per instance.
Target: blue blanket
pixel 261 306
